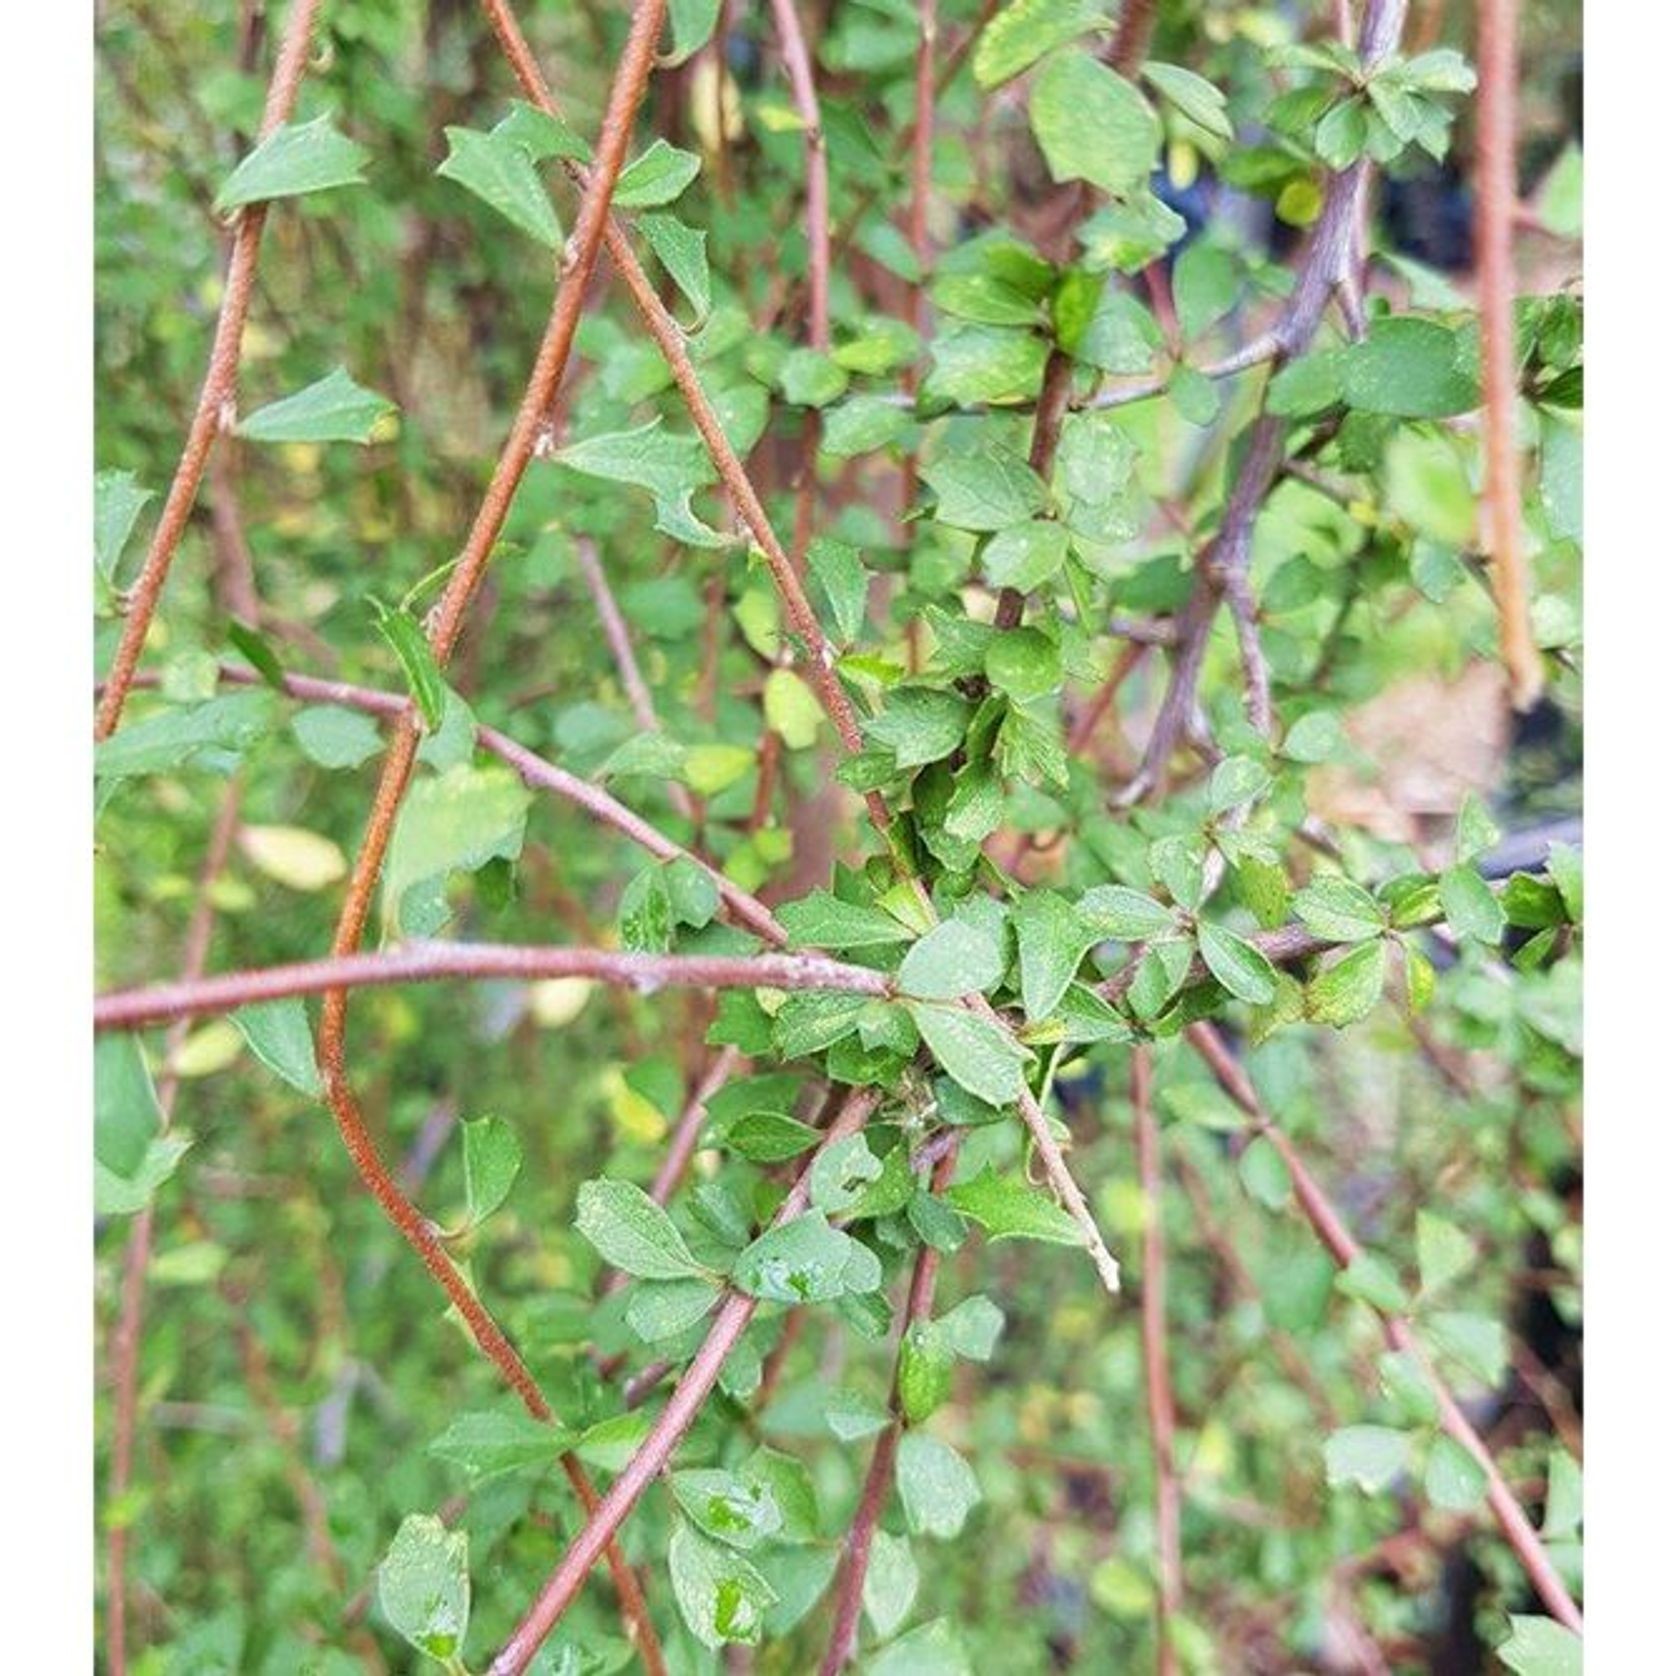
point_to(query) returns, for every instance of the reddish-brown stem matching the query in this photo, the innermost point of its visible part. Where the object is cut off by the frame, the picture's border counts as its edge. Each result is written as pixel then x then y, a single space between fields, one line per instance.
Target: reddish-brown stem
pixel 214 410
pixel 1044 446
pixel 727 1326
pixel 1498 195
pixel 136 1258
pixel 858 1543
pixel 1343 1248
pixel 796 51
pixel 925 133
pixel 1160 1399
pixel 137 1009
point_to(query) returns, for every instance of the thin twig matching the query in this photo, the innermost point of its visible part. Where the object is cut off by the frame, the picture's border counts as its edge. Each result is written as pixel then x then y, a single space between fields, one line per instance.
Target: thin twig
pixel 424 962
pixel 215 399
pixel 1498 191
pixel 1342 1246
pixel 1160 1399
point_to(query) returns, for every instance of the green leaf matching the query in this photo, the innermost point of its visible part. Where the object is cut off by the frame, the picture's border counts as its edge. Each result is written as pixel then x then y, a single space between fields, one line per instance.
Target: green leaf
pixel 802 1261
pixel 691 24
pixel 543 134
pixel 680 249
pixel 424 1587
pixel 454 822
pixel 769 1137
pixel 1339 910
pixel 1026 30
pixel 278 1034
pixel 937 1487
pixel 407 640
pixel 1565 868
pixel 980 1056
pixel 735 1510
pixel 1475 830
pixel 1349 989
pixel 840 1178
pixel 994 365
pixel 1206 285
pixel 1541 1647
pixel 671 467
pixel 892 1581
pixel 990 489
pixel 1026 556
pixel 932 1649
pixel 294 159
pixel 841 585
pixel 658 176
pixel 1477 1344
pixel 1454 1479
pixel 487 1444
pixel 332 409
pixel 1007 1209
pixel 1312 738
pixel 1370 1457
pixel 660 1309
pixel 1242 969
pixel 1411 369
pixel 1445 1253
pixel 972 1328
pixel 1198 100
pixel 498 169
pixel 211 734
pixel 952 960
pixel 493 1157
pixel 118 500
pixel 1129 915
pixel 811 378
pixel 1263 1173
pixel 924 1372
pixel 820 920
pixel 1371 1279
pixel 132 1156
pixel 865 425
pixel 1052 939
pixel 632 1232
pixel 1473 910
pixel 722 1596
pixel 645 915
pixel 1092 124
pixel 1024 664
pixel 920 725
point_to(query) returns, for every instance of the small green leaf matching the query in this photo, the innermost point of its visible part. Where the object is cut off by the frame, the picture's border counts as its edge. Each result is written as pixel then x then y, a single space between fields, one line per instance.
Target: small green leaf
pixel 332 409
pixel 632 1232
pixel 1349 989
pixel 498 169
pixel 802 1261
pixel 294 159
pixel 453 822
pixel 1473 910
pixel 543 134
pixel 722 1596
pixel 691 24
pixel 811 378
pixel 1264 1174
pixel 1027 30
pixel 980 1056
pixel 840 1178
pixel 118 500
pixel 820 920
pixel 920 725
pixel 487 1444
pixel 769 1137
pixel 1026 556
pixel 669 466
pixel 407 640
pixel 1131 916
pixel 278 1034
pixel 951 960
pixel 972 1328
pixel 1312 738
pixel 1411 369
pixel 933 1649
pixel 681 250
pixel 1541 1647
pixel 1198 100
pixel 1454 1479
pixel 1339 910
pixel 1241 968
pixel 1092 124
pixel 1007 1209
pixel 1370 1457
pixel 658 176
pixel 841 585
pixel 1237 780
pixel 924 1372
pixel 1445 1253
pixel 660 1309
pixel 990 489
pixel 493 1155
pixel 937 1487
pixel 734 1510
pixel 892 1581
pixel 1371 1279
pixel 424 1587
pixel 1052 939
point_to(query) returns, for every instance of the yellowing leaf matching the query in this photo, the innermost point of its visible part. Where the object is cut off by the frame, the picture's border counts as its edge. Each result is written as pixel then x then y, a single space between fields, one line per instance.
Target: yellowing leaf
pixel 293 856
